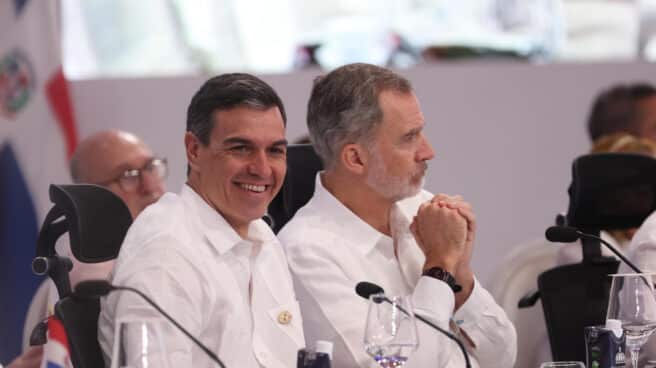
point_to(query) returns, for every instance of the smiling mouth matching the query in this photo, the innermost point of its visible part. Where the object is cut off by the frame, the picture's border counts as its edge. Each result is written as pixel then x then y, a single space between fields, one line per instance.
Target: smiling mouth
pixel 254 188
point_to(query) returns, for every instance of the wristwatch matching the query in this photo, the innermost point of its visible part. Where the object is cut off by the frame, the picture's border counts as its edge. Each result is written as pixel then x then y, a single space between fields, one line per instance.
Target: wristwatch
pixel 441 274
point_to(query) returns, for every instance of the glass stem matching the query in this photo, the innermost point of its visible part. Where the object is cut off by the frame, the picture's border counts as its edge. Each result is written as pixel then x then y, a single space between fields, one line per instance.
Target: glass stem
pixel 635 352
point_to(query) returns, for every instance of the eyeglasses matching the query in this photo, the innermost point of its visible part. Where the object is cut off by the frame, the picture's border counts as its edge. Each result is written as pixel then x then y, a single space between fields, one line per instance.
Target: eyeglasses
pixel 130 180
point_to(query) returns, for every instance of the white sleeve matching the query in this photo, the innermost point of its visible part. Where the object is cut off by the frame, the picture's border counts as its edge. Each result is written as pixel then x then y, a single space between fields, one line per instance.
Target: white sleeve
pixel 642 249
pixel 488 327
pixel 434 300
pixel 331 310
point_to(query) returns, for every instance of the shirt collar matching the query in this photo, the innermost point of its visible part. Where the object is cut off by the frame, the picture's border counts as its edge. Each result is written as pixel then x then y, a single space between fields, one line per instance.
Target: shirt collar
pixel 218 231
pixel 349 225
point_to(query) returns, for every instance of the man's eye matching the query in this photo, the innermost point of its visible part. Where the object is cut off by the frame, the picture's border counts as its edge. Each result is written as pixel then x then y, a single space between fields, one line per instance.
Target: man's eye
pixel 240 149
pixel 278 150
pixel 411 137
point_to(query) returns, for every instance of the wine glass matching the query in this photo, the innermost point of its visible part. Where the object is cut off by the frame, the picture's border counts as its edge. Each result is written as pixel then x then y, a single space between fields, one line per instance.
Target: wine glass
pixel 139 343
pixel 632 302
pixel 391 332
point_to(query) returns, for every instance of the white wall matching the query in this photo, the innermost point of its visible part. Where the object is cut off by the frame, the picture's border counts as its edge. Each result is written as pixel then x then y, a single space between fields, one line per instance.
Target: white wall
pixel 505 134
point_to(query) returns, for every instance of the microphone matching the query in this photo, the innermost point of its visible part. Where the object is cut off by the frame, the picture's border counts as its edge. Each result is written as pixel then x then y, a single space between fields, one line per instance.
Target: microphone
pixel 93 289
pixel 562 234
pixel 567 234
pixel 367 289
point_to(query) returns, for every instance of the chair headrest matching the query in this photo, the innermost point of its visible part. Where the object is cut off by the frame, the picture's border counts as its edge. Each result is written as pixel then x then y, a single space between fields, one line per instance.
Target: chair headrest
pixel 611 191
pixel 302 166
pixel 97 220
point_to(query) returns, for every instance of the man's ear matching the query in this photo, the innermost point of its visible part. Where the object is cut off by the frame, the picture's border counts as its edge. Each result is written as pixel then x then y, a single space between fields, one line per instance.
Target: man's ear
pixel 354 157
pixel 192 148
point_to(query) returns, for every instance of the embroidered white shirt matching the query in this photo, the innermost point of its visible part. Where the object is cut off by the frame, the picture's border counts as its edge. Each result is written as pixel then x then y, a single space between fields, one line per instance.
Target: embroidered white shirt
pixel 330 250
pixel 227 291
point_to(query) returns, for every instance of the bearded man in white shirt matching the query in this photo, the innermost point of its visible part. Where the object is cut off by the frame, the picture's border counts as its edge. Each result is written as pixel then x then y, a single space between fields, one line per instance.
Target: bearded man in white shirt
pixel 370 220
pixel 205 255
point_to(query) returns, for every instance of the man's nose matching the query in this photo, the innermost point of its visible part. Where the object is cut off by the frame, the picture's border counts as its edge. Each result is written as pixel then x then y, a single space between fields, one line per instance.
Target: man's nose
pixel 151 183
pixel 425 151
pixel 259 165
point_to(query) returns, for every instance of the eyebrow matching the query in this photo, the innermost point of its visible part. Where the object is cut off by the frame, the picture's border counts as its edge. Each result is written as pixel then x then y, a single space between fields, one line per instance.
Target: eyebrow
pixel 238 140
pixel 414 130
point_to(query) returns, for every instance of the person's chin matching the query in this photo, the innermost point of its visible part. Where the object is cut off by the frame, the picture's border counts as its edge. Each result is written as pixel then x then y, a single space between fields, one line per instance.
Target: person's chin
pixel 414 187
pixel 252 210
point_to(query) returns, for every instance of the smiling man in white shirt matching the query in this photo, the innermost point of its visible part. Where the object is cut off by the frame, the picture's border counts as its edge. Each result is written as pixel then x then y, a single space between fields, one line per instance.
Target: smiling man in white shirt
pixel 370 220
pixel 205 255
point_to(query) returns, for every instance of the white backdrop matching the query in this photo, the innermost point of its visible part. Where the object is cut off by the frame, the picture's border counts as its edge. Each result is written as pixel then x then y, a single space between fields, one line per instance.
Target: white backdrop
pixel 505 134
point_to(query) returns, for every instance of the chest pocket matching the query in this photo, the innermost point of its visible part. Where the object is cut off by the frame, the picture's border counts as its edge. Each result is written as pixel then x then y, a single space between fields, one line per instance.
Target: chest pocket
pixel 287 318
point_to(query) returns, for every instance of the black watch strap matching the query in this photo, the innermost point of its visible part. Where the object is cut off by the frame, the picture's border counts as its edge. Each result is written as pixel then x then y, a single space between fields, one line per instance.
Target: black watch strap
pixel 443 275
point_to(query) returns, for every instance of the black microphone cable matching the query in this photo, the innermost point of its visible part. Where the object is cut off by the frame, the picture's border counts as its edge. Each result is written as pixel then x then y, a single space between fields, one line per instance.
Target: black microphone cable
pixel 568 234
pixel 92 289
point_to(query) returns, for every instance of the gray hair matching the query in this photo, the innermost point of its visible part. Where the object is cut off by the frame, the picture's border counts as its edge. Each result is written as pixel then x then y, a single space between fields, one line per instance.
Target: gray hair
pixel 344 107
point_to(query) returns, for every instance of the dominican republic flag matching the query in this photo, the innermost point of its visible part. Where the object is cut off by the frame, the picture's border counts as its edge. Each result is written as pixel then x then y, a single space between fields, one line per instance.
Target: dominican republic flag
pixel 56 351
pixel 37 135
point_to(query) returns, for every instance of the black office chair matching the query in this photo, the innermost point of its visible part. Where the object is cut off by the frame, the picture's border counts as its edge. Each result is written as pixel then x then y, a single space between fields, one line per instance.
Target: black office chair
pixel 80 320
pixel 97 221
pixel 609 191
pixel 574 296
pixel 298 187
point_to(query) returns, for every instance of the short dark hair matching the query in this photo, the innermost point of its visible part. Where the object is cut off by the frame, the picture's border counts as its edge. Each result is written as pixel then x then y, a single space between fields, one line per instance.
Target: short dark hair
pixel 344 106
pixel 225 92
pixel 616 110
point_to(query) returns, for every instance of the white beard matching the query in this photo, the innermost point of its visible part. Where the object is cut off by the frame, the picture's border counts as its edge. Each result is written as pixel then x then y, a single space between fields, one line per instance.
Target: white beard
pixel 389 186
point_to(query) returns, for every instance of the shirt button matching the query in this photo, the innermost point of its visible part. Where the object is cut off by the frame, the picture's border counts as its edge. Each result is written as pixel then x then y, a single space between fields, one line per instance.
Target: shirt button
pixel 284 317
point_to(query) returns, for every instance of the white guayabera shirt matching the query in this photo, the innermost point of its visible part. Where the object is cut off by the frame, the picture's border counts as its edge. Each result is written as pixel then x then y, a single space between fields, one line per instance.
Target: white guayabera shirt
pixel 231 293
pixel 330 250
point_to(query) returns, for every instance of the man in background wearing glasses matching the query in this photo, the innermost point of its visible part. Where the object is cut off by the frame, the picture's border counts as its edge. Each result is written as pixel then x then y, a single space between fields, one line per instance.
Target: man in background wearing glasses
pixel 122 163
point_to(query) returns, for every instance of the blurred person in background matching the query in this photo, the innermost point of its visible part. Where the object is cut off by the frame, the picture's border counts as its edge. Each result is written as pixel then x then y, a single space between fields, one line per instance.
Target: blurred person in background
pixel 619 120
pixel 124 164
pixel 613 143
pixel 623 120
pixel 629 108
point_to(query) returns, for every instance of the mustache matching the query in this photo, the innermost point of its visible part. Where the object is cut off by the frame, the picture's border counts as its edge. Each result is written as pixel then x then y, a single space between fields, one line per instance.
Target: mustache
pixel 423 168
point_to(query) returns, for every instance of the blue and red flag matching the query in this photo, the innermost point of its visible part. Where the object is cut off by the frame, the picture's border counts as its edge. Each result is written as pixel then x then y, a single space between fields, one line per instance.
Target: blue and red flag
pixel 37 136
pixel 57 350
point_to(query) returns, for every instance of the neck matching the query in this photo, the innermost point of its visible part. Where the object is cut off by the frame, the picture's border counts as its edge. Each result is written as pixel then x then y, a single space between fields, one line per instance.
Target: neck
pixel 358 197
pixel 240 228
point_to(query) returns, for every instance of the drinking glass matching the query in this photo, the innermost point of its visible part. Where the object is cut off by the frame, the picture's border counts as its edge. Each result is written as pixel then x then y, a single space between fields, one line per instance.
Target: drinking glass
pixel 139 343
pixel 632 302
pixel 562 365
pixel 391 332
